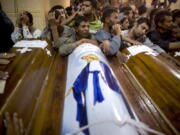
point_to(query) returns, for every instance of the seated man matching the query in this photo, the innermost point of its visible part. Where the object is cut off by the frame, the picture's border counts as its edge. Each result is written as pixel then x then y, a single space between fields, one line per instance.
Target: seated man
pixel 138 33
pixel 6 28
pixel 24 28
pixel 109 35
pixel 54 29
pixel 80 34
pixel 162 34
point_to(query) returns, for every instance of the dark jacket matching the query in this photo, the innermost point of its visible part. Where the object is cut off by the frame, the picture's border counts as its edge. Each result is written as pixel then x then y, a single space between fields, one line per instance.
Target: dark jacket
pixel 6 28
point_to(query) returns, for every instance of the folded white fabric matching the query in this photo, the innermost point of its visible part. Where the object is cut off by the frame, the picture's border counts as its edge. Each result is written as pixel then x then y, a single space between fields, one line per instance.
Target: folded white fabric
pixel 31 44
pixel 24 50
pixel 177 54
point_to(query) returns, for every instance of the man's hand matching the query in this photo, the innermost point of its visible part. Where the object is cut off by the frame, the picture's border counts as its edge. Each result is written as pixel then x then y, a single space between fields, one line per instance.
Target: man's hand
pixel 7 55
pixel 117 29
pixel 24 19
pixel 122 58
pixel 84 40
pixel 80 13
pixel 105 46
pixel 3 75
pixel 52 20
pixel 14 125
pixel 4 62
pixel 18 21
pixel 133 42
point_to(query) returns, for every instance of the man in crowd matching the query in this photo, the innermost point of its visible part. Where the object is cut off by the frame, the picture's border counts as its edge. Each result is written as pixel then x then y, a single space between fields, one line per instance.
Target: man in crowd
pixel 138 33
pixel 162 34
pixel 55 29
pixel 88 9
pixel 24 28
pixel 6 28
pixel 80 34
pixel 109 35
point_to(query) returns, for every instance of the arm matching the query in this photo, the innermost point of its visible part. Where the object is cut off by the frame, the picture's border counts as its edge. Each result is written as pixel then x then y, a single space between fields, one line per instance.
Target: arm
pixel 156 39
pixel 16 35
pixel 174 45
pixel 26 32
pixel 130 40
pixel 53 22
pixel 37 33
pixel 153 46
pixel 67 48
pixel 69 19
pixel 54 31
pixel 114 43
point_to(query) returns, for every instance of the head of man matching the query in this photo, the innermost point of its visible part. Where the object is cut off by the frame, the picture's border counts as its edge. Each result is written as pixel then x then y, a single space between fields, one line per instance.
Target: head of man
pixel 110 17
pixel 124 22
pixel 175 32
pixel 81 26
pixel 176 17
pixel 141 27
pixel 127 11
pixel 163 20
pixel 88 6
pixel 26 18
pixel 59 11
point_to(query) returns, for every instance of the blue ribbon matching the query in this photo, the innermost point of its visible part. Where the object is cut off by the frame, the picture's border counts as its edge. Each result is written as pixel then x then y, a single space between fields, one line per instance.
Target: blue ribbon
pixel 97 89
pixel 111 81
pixel 80 86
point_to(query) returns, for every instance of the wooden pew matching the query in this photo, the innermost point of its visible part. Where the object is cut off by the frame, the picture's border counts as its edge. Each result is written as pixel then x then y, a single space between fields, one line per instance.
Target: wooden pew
pixel 35 90
pixel 153 89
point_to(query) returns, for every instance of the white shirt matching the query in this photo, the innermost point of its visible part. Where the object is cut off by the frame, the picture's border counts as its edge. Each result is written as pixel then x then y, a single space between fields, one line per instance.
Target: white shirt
pixel 24 33
pixel 147 42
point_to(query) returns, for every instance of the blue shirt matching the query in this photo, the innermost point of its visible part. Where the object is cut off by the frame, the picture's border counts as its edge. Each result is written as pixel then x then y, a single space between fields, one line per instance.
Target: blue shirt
pixel 115 41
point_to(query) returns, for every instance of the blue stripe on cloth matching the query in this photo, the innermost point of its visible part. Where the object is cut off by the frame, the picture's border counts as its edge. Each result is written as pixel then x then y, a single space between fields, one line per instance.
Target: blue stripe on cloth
pixel 80 86
pixel 111 81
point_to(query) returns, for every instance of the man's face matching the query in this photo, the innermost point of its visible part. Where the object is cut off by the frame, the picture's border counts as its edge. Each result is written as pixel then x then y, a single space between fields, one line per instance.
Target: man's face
pixel 176 33
pixel 113 19
pixel 167 24
pixel 130 16
pixel 125 24
pixel 83 29
pixel 140 30
pixel 62 13
pixel 87 7
pixel 177 21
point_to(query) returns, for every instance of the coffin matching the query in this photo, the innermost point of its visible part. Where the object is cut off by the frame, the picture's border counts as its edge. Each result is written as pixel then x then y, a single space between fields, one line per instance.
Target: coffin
pixel 39 89
pixel 93 95
pixel 159 79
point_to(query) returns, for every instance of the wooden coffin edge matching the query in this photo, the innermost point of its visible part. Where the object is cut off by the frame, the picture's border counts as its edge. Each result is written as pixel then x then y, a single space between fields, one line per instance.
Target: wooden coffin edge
pixel 152 116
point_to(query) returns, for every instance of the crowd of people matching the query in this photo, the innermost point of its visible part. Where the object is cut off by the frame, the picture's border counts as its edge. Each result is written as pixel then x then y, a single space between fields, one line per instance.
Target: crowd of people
pixel 92 21
pixel 111 28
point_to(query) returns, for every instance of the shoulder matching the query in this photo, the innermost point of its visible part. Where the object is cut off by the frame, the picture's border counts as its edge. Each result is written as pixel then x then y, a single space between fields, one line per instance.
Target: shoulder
pixel 125 32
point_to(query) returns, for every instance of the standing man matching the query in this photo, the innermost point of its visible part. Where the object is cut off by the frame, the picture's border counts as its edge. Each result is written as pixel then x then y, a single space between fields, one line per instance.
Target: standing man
pixel 162 34
pixel 88 9
pixel 6 28
pixel 138 33
pixel 80 34
pixel 109 35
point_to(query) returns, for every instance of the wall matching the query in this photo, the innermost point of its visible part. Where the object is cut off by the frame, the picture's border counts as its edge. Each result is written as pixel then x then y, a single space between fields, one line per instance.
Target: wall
pixel 64 3
pixel 36 7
